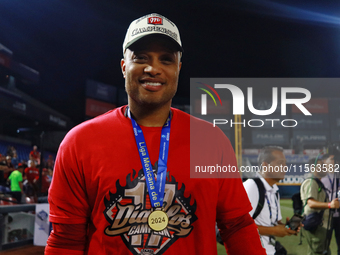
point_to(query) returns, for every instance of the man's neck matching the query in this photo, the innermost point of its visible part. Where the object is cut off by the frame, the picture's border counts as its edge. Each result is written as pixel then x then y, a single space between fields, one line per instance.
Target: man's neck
pixel 316 176
pixel 270 181
pixel 150 117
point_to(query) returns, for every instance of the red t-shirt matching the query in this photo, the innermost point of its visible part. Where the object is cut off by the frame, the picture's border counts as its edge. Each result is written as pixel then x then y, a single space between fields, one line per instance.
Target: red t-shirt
pixel 98 180
pixel 45 183
pixel 35 154
pixel 31 173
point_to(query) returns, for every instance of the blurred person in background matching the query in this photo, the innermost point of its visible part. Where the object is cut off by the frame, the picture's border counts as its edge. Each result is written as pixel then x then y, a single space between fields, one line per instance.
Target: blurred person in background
pixel 35 155
pixel 3 169
pixel 16 180
pixel 331 183
pixel 45 182
pixel 268 216
pixel 31 172
pixel 10 151
pixel 50 173
pixel 316 206
pixel 10 166
pixel 15 160
pixel 50 162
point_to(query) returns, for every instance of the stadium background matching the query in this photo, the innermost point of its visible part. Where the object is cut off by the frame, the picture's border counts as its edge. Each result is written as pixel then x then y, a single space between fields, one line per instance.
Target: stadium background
pixel 59 65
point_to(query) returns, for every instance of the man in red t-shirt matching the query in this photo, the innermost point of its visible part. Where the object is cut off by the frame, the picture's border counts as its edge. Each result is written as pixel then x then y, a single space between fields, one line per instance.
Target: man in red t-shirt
pixel 45 182
pixel 32 172
pixel 35 155
pixel 102 196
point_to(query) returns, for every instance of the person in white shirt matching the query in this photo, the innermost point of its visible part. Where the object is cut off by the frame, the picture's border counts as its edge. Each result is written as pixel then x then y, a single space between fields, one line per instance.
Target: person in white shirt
pixel 272 162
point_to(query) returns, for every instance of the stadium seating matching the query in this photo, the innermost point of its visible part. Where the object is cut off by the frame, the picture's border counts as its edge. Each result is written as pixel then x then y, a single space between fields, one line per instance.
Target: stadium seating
pixel 22 150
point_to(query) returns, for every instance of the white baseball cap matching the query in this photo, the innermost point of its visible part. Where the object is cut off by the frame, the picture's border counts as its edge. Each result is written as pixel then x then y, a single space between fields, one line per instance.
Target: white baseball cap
pixel 152 24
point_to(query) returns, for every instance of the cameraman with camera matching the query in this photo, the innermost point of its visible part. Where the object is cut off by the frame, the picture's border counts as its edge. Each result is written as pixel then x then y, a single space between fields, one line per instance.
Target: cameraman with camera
pixel 267 213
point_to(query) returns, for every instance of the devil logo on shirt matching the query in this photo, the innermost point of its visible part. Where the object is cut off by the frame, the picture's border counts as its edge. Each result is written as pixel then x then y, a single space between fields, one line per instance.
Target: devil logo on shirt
pixel 128 209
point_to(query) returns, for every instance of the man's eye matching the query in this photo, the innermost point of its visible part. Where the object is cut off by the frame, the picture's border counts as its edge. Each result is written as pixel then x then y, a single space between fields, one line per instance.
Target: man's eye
pixel 139 57
pixel 167 60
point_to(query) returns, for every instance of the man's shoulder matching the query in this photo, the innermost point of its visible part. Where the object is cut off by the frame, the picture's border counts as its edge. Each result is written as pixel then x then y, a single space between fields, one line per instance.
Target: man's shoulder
pixel 115 114
pixel 253 193
pixel 250 184
pixel 308 183
pixel 311 184
pixel 97 125
pixel 15 173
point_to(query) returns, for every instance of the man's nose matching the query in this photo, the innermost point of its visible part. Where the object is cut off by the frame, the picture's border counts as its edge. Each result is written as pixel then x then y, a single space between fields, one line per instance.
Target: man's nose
pixel 153 68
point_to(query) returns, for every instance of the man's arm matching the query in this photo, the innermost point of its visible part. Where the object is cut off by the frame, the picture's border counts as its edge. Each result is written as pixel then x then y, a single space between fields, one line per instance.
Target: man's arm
pixel 67 239
pixel 253 195
pixel 232 212
pixel 278 230
pixel 68 200
pixel 235 231
pixel 10 168
pixel 4 168
pixel 234 221
pixel 314 204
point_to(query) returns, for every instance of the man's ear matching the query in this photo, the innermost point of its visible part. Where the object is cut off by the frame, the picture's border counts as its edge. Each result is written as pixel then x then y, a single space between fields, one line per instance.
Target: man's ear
pixel 122 65
pixel 264 164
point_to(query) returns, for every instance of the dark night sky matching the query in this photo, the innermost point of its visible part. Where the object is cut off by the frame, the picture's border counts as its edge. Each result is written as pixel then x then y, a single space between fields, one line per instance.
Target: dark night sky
pixel 70 41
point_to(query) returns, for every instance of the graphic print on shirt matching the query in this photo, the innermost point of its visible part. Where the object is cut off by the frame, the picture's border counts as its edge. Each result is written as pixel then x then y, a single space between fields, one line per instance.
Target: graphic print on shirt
pixel 128 209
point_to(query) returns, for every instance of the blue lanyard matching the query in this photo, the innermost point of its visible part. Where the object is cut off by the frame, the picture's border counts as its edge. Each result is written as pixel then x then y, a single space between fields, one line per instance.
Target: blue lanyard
pixel 270 211
pixel 155 188
pixel 330 181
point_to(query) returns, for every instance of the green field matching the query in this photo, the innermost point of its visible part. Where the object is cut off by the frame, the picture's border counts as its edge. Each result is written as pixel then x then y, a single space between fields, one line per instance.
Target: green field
pixel 291 243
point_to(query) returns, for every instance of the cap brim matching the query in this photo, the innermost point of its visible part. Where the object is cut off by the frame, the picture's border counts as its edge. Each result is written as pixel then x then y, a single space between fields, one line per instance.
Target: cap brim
pixel 148 36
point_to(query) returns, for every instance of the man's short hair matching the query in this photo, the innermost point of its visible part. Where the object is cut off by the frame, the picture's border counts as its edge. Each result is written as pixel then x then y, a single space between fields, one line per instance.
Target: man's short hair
pixel 312 161
pixel 325 156
pixel 266 154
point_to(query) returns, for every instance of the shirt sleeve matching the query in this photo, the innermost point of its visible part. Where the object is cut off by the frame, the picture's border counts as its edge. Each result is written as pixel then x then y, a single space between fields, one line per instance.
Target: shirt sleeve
pixel 232 201
pixel 67 194
pixel 235 232
pixel 309 189
pixel 57 251
pixel 233 217
pixel 63 240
